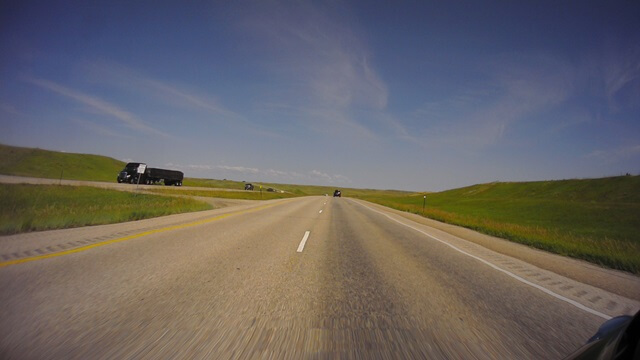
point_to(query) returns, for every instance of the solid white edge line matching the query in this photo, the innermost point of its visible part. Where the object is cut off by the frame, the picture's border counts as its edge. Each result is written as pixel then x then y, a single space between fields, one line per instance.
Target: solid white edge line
pixel 541 288
pixel 304 241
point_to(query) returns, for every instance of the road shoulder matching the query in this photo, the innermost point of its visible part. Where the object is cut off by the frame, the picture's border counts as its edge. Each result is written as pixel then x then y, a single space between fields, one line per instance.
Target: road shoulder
pixel 617 282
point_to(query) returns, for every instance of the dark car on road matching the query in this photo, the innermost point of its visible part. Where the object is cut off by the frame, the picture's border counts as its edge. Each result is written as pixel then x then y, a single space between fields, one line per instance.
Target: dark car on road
pixel 337 193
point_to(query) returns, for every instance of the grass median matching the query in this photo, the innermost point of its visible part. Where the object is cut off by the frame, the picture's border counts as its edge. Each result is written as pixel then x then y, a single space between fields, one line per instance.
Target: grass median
pixel 27 208
pixel 595 220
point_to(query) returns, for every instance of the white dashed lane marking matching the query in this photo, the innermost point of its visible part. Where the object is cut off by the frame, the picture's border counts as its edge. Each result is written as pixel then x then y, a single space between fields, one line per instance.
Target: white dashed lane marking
pixel 304 241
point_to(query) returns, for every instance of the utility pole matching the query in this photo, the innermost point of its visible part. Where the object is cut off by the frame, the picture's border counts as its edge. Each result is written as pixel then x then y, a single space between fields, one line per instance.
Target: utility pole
pixel 424 202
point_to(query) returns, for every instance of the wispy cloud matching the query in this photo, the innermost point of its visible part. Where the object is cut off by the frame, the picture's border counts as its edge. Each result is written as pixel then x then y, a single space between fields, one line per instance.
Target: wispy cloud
pixel 621 69
pixel 330 178
pixel 520 87
pixel 180 96
pixel 240 169
pixel 616 154
pixel 98 129
pixel 127 78
pixel 313 176
pixel 10 109
pixel 572 120
pixel 325 62
pixel 200 167
pixel 126 118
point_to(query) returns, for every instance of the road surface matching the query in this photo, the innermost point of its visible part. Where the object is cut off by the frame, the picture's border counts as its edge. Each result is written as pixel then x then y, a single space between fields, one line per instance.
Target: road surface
pixel 312 277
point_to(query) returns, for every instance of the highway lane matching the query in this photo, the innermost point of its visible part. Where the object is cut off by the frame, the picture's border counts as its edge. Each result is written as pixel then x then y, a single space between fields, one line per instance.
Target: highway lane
pixel 235 286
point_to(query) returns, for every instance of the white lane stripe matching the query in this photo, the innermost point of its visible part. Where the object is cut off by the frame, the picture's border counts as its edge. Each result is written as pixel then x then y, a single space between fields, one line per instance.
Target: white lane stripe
pixel 320 212
pixel 304 241
pixel 543 289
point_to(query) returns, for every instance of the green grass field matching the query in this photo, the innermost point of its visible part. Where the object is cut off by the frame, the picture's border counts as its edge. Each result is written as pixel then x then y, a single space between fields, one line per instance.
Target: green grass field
pixel 44 207
pixel 596 220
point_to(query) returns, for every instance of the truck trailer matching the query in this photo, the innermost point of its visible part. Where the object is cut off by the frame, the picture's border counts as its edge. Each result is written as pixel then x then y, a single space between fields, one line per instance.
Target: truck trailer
pixel 139 173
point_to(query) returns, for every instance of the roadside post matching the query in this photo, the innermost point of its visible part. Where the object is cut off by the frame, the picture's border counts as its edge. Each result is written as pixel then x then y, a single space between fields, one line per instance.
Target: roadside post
pixel 260 192
pixel 424 202
pixel 141 169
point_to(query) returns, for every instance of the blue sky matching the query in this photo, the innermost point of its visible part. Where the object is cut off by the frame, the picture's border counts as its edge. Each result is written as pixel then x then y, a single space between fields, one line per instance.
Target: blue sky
pixel 412 95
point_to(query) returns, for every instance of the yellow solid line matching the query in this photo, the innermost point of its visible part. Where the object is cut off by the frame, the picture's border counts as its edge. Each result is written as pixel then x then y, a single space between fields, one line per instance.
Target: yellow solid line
pixel 130 237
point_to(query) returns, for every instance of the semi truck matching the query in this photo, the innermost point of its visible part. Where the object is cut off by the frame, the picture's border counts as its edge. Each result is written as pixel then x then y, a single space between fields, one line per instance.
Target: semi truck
pixel 139 173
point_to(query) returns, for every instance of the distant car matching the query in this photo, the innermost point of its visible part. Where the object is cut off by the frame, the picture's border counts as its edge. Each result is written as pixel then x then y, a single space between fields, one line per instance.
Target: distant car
pixel 337 193
pixel 248 186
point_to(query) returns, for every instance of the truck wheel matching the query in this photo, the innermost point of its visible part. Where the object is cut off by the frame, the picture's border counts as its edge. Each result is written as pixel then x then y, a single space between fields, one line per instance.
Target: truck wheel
pixel 119 180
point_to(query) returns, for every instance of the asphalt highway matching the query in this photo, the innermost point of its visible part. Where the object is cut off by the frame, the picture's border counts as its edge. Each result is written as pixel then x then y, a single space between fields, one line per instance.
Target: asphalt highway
pixel 313 277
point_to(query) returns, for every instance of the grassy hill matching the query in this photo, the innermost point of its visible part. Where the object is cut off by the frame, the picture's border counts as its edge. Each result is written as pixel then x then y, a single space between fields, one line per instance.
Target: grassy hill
pixel 596 219
pixel 49 164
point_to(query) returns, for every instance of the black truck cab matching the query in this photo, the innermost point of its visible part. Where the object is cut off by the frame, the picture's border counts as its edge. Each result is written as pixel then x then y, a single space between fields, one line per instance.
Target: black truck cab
pixel 139 173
